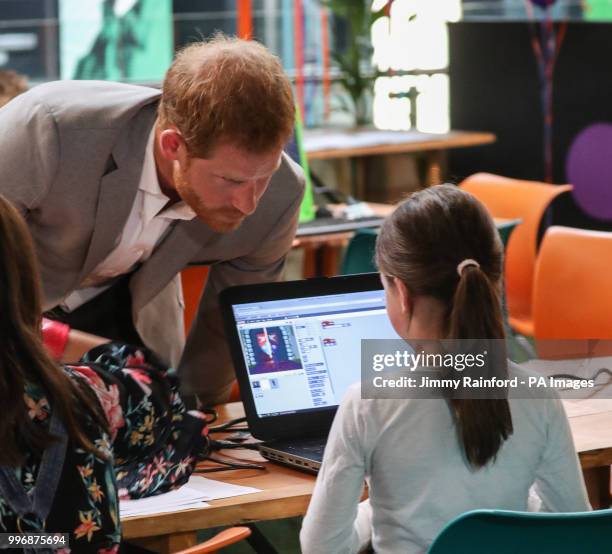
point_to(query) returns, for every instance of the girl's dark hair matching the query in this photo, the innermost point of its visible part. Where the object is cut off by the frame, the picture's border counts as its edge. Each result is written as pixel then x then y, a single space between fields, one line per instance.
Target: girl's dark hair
pixel 23 357
pixel 422 243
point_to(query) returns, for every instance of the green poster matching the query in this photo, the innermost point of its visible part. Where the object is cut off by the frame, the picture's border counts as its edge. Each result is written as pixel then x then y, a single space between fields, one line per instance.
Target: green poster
pixel 127 40
pixel 597 10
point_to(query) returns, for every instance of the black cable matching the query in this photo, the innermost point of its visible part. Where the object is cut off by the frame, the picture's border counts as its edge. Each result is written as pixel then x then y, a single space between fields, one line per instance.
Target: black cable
pixel 230 429
pixel 227 425
pixel 594 377
pixel 334 196
pixel 223 444
pixel 215 469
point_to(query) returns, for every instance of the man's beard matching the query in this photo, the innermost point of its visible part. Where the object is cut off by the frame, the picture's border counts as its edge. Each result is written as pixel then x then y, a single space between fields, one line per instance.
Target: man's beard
pixel 220 220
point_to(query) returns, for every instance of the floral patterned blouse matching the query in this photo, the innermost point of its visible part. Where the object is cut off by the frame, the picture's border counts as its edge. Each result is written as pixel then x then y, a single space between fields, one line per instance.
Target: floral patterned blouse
pixel 152 447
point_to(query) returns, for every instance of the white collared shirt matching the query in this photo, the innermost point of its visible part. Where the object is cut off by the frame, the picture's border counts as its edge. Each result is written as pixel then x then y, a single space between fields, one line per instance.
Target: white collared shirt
pixel 143 230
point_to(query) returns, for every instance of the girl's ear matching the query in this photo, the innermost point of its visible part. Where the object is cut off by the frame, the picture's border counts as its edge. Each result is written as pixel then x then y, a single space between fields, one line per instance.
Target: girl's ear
pixel 404 295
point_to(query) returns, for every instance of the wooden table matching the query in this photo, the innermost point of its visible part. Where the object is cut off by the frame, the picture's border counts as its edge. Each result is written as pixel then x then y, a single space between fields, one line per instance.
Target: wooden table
pixel 361 142
pixel 592 433
pixel 324 144
pixel 590 415
pixel 286 492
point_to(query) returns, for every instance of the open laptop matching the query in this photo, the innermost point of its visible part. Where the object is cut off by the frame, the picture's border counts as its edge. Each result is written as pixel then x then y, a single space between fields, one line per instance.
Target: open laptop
pixel 296 347
pixel 328 225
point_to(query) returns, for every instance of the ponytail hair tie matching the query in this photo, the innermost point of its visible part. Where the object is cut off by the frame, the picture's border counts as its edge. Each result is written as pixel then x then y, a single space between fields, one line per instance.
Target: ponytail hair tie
pixel 465 263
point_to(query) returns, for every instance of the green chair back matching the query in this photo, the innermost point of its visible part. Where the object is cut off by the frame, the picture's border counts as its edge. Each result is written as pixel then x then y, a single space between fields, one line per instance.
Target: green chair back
pixel 504 532
pixel 505 229
pixel 359 255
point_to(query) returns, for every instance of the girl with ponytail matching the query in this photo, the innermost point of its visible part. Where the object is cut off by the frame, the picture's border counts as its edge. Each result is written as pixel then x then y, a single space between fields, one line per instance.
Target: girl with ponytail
pixel 428 460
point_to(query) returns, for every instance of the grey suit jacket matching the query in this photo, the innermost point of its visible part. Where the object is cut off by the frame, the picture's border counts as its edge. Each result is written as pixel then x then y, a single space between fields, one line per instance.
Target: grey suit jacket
pixel 71 154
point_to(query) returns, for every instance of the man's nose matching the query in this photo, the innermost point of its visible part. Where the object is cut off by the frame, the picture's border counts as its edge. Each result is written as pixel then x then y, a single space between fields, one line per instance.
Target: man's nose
pixel 247 198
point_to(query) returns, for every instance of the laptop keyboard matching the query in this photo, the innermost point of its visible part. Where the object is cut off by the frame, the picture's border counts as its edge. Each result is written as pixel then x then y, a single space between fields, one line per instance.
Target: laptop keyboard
pixel 312 449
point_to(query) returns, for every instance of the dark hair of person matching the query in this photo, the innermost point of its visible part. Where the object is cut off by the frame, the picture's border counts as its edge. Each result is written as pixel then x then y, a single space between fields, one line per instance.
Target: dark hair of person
pixel 422 243
pixel 23 357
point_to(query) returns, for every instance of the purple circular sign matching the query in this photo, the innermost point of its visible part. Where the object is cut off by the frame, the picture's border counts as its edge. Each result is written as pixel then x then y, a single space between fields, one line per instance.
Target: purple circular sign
pixel 589 168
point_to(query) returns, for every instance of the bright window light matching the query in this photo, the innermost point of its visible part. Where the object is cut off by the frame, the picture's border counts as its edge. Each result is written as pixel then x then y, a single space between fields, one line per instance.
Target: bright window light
pixel 415 38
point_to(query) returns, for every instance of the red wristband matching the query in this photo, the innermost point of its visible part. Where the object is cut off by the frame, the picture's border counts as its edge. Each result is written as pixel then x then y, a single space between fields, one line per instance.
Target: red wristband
pixel 55 337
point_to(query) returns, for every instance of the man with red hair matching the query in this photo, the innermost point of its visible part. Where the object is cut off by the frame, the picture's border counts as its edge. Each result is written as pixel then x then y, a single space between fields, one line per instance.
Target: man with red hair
pixel 123 186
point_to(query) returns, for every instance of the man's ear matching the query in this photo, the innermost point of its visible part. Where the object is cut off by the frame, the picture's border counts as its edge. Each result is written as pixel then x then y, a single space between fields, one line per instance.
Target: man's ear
pixel 404 295
pixel 170 141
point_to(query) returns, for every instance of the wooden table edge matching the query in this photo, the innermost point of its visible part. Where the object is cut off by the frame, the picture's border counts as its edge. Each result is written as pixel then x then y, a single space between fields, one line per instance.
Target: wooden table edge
pixel 454 141
pixel 251 508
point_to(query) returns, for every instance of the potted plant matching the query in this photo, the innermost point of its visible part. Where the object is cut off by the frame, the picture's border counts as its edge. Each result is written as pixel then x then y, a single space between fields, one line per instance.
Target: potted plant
pixel 354 61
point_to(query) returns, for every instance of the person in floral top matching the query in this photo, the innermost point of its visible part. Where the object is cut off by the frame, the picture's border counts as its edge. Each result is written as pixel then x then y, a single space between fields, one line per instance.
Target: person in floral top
pixel 78 438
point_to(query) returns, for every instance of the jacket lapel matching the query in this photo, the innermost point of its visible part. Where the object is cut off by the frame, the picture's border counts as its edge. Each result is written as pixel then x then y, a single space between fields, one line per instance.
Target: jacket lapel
pixel 118 188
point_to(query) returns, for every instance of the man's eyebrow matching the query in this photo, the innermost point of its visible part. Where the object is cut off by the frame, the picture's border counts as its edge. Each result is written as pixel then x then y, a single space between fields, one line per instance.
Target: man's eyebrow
pixel 228 177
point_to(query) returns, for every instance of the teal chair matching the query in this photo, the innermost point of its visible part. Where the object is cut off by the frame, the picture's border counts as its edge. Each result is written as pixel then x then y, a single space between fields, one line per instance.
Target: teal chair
pixel 359 255
pixel 505 228
pixel 504 532
pixel 519 348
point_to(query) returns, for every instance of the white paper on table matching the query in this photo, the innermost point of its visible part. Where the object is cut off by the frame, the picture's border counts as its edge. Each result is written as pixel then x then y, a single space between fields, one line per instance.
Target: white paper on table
pixel 164 510
pixel 213 490
pixel 191 496
pixel 184 498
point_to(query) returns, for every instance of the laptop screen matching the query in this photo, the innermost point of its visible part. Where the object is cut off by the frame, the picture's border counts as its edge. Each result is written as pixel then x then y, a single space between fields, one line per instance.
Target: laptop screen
pixel 301 354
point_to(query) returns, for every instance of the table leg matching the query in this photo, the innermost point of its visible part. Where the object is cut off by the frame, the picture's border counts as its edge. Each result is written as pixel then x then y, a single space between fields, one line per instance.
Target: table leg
pixel 330 260
pixel 358 178
pixel 434 168
pixel 323 260
pixel 167 544
pixel 259 542
pixel 597 480
pixel 310 267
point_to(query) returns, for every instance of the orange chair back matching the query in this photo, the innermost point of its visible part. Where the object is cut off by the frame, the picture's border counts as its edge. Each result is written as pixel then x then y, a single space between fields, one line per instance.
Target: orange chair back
pixel 225 538
pixel 573 289
pixel 193 279
pixel 507 198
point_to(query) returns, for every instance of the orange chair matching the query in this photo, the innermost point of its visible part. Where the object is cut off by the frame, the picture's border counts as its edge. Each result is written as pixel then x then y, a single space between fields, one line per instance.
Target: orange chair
pixel 193 279
pixel 509 199
pixel 573 293
pixel 221 540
